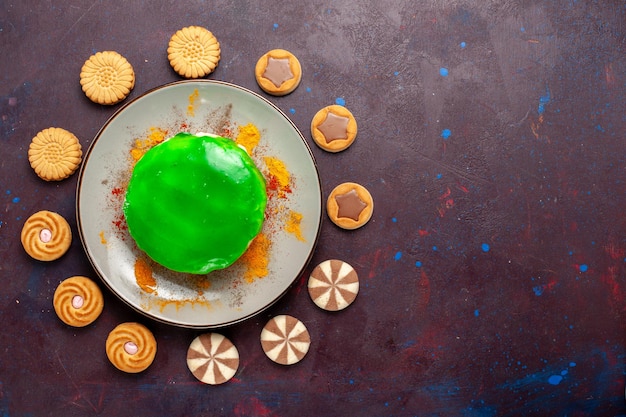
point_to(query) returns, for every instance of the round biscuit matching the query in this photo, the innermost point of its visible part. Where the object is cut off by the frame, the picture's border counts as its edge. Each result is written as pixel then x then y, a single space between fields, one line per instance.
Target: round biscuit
pixel 193 52
pixel 107 77
pixel 278 72
pixel 46 236
pixel 350 205
pixel 333 128
pixel 78 301
pixel 54 154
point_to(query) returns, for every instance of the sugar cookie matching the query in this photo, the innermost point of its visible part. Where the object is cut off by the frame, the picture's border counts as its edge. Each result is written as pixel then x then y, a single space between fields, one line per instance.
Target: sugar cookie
pixel 193 52
pixel 212 358
pixel 333 285
pixel 46 236
pixel 107 77
pixel 350 205
pixel 78 301
pixel 285 340
pixel 333 128
pixel 54 154
pixel 131 347
pixel 278 72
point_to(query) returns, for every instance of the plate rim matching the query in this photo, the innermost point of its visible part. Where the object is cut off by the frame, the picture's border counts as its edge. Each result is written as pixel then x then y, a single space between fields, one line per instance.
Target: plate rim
pixel 79 222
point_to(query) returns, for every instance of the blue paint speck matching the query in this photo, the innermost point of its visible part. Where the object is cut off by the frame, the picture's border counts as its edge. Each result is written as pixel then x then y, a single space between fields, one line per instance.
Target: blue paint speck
pixel 418 264
pixel 275 26
pixel 16 199
pixel 476 313
pixel 555 379
pixel 485 247
pixel 564 372
pixel 443 72
pixel 340 101
pixel 583 268
pixel 8 192
pixel 439 176
pixel 538 290
pixel 462 44
pixel 393 219
pixel 292 111
pixel 522 29
pixel 396 73
pixel 543 100
pixel 572 364
pixel 434 247
pixel 308 89
pixel 398 256
pixel 446 133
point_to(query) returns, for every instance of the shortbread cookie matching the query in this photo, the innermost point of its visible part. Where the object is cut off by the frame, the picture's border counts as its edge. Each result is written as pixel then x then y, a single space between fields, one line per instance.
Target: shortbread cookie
pixel 278 72
pixel 333 285
pixel 212 358
pixel 54 154
pixel 285 340
pixel 46 236
pixel 333 128
pixel 78 301
pixel 131 347
pixel 107 77
pixel 193 52
pixel 350 205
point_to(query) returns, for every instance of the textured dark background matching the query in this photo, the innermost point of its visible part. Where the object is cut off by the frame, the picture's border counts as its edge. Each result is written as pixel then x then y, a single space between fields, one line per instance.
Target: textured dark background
pixel 491 135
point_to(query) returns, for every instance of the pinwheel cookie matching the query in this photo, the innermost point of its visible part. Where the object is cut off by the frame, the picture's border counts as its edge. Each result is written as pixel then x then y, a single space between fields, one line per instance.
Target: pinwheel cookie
pixel 212 358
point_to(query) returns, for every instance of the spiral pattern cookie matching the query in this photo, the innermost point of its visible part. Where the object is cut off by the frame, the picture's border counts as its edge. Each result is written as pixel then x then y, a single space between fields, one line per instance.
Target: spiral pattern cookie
pixel 350 205
pixel 333 285
pixel 278 72
pixel 334 128
pixel 46 236
pixel 107 77
pixel 212 358
pixel 131 347
pixel 78 301
pixel 285 340
pixel 54 154
pixel 193 52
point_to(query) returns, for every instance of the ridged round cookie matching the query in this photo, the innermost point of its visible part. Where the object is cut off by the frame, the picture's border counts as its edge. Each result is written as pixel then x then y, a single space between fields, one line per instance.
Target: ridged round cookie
pixel 78 301
pixel 193 52
pixel 54 153
pixel 285 340
pixel 107 77
pixel 46 236
pixel 350 205
pixel 278 72
pixel 131 347
pixel 333 285
pixel 333 128
pixel 212 358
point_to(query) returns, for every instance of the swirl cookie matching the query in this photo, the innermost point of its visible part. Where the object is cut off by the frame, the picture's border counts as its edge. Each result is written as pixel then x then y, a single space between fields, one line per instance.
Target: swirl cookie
pixel 193 52
pixel 333 128
pixel 46 236
pixel 212 358
pixel 350 205
pixel 54 154
pixel 333 285
pixel 78 301
pixel 107 77
pixel 131 347
pixel 278 72
pixel 285 340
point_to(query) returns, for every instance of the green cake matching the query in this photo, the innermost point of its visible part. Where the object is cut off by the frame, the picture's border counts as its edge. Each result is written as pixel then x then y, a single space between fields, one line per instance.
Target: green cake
pixel 195 202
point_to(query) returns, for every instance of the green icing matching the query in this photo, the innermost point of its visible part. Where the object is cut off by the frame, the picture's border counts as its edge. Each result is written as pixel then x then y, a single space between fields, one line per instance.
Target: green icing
pixel 194 203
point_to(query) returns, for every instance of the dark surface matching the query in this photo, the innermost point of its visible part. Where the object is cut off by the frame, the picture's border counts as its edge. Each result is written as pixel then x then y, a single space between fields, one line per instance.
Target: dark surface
pixel 492 272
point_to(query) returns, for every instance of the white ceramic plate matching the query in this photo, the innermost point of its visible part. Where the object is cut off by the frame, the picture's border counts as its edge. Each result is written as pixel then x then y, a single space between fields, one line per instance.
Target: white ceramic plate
pixel 222 297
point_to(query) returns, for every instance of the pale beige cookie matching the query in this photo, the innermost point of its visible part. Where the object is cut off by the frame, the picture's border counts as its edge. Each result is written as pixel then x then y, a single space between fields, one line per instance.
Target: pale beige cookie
pixel 78 301
pixel 278 72
pixel 212 358
pixel 333 128
pixel 46 236
pixel 285 340
pixel 350 205
pixel 107 77
pixel 54 154
pixel 333 285
pixel 131 347
pixel 193 52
